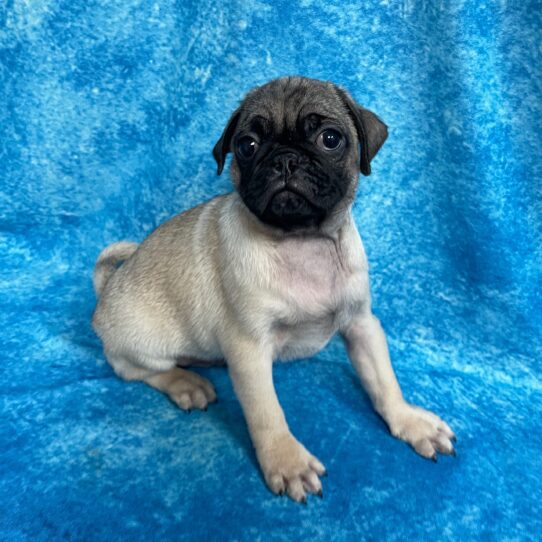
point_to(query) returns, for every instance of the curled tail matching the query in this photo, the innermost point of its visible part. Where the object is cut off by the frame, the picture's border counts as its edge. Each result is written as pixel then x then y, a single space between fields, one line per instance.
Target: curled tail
pixel 108 261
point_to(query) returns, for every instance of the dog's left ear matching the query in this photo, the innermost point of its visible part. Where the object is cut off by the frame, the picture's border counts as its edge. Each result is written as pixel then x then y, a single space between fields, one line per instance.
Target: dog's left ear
pixel 372 132
pixel 222 147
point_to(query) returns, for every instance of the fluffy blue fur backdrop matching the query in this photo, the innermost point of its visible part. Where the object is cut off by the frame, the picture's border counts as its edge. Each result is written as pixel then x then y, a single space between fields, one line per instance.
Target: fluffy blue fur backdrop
pixel 108 114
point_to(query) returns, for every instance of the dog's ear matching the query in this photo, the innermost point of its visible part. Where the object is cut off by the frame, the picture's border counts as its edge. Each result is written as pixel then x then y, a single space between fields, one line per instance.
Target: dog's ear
pixel 372 132
pixel 222 147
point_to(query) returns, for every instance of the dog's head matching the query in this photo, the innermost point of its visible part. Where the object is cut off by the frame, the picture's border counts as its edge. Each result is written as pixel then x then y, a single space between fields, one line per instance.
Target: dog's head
pixel 298 147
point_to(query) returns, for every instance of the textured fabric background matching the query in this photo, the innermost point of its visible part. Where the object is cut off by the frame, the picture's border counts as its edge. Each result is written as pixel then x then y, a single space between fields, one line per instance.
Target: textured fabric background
pixel 108 113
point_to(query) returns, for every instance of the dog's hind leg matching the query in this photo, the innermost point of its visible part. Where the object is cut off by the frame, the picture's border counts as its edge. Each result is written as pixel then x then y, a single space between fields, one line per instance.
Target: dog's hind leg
pixel 186 389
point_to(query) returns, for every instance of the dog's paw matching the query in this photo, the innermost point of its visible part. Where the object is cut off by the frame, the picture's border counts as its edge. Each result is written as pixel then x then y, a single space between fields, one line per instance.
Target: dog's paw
pixel 189 390
pixel 289 468
pixel 423 430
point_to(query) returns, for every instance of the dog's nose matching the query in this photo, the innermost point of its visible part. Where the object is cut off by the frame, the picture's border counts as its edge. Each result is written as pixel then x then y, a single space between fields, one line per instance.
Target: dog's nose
pixel 285 163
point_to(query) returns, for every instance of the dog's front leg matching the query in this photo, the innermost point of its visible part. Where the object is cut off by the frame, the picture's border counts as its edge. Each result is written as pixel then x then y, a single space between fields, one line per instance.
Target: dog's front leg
pixel 286 464
pixel 368 351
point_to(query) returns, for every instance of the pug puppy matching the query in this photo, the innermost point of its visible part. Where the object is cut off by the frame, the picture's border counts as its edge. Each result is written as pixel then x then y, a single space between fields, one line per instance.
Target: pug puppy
pixel 268 272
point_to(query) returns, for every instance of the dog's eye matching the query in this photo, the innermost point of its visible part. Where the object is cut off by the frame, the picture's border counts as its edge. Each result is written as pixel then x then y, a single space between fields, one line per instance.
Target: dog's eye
pixel 246 147
pixel 329 139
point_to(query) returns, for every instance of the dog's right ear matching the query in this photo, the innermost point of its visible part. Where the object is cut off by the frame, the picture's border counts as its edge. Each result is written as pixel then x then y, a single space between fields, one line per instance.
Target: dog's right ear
pixel 222 147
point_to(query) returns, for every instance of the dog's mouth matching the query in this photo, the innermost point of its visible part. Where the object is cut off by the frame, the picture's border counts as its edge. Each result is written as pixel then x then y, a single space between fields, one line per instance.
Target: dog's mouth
pixel 286 201
pixel 278 191
pixel 288 207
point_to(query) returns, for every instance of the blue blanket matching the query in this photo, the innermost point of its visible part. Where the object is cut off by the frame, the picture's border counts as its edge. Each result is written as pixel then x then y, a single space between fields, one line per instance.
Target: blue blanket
pixel 108 114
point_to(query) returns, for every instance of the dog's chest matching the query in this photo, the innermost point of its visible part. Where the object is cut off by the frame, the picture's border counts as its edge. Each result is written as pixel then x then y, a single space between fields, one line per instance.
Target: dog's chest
pixel 321 283
pixel 312 274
